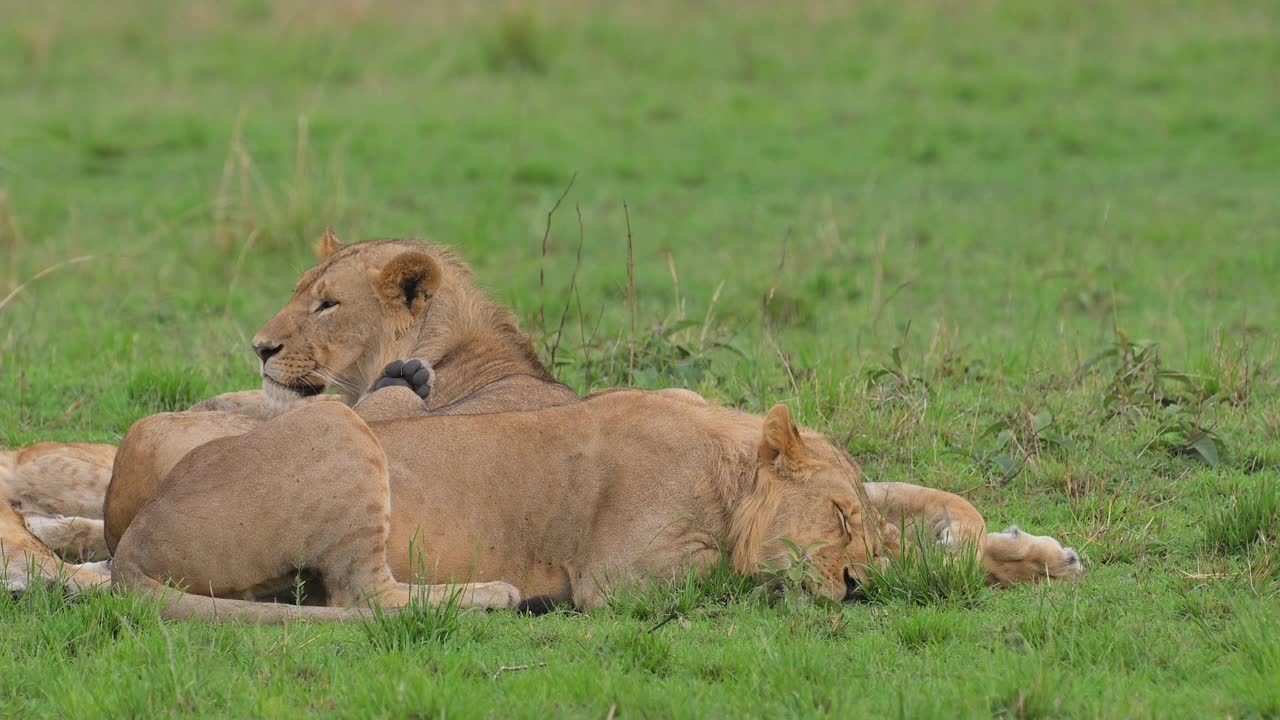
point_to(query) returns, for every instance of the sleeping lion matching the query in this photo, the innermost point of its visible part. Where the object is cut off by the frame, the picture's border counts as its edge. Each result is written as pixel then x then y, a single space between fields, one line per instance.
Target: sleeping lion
pixel 565 503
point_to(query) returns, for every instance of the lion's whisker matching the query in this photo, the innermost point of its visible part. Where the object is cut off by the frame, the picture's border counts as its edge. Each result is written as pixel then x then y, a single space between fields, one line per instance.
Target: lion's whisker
pixel 328 375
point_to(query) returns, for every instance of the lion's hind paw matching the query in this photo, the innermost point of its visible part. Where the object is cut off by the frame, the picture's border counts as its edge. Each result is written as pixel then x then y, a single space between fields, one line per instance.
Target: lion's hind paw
pixel 413 374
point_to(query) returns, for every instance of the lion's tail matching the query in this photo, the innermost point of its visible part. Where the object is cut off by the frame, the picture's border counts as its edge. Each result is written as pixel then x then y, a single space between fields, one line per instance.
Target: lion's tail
pixel 176 604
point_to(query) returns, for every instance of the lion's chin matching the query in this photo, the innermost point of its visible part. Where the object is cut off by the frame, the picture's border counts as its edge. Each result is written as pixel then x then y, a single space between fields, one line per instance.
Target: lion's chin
pixel 283 397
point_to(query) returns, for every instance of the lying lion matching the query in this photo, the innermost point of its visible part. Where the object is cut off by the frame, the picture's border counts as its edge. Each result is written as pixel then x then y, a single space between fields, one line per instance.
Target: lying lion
pixel 352 317
pixel 58 489
pixel 24 558
pixel 1010 557
pixel 564 503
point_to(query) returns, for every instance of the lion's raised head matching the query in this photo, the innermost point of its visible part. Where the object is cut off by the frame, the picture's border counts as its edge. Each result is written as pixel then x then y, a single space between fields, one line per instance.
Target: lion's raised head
pixel 809 493
pixel 1016 556
pixel 348 313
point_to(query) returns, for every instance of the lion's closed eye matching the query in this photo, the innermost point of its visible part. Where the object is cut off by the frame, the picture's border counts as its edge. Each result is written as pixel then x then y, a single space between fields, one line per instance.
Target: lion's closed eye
pixel 844 521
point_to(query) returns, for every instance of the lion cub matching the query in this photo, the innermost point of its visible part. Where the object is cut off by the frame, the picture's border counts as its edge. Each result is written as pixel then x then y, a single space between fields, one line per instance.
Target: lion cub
pixel 1010 557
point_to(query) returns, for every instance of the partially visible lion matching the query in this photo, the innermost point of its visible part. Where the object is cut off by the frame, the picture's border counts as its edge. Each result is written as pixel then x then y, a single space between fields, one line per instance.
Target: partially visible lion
pixel 352 318
pixel 1010 557
pixel 58 489
pixel 564 503
pixel 24 559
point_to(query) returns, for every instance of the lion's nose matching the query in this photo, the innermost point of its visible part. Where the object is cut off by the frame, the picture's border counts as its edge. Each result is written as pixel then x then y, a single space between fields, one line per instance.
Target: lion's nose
pixel 852 586
pixel 266 350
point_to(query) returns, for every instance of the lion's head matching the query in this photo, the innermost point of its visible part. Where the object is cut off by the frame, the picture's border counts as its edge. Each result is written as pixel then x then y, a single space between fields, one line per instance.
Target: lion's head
pixel 347 314
pixel 1017 556
pixel 810 494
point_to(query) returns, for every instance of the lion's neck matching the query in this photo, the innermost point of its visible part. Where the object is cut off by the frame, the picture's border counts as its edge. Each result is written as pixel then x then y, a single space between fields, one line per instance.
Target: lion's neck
pixel 739 502
pixel 471 343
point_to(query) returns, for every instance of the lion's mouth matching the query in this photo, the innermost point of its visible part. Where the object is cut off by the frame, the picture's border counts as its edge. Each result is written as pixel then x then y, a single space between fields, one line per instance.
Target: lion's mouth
pixel 303 389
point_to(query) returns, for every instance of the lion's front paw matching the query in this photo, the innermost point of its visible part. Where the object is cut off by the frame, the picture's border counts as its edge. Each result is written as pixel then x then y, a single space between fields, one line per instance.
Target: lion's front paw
pixel 413 374
pixel 493 596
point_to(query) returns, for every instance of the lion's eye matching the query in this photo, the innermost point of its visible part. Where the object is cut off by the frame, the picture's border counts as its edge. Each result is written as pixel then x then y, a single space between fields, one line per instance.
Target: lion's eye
pixel 325 305
pixel 844 520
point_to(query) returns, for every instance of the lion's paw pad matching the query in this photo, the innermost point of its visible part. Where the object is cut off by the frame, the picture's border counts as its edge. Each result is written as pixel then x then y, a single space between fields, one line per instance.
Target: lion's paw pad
pixel 413 374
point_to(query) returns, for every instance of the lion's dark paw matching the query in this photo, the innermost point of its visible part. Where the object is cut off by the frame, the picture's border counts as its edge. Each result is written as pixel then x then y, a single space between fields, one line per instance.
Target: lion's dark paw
pixel 413 374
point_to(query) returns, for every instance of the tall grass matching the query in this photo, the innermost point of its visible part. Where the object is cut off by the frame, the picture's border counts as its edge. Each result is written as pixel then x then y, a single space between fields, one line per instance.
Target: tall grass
pixel 659 599
pixel 414 625
pixel 1251 516
pixel 928 573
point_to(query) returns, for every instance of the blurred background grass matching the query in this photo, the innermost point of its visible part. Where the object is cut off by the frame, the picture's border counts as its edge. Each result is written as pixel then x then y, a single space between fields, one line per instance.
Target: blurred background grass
pixel 1007 181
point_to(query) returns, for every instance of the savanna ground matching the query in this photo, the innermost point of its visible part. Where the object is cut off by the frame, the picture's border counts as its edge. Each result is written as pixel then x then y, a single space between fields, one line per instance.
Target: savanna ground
pixel 1026 252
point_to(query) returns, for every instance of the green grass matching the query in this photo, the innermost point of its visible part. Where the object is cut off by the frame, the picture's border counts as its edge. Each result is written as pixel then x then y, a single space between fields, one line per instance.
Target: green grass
pixel 916 223
pixel 929 574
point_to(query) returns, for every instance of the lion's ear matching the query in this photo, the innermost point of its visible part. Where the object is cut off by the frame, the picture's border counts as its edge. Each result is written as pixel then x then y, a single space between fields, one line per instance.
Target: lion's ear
pixel 407 282
pixel 328 244
pixel 780 435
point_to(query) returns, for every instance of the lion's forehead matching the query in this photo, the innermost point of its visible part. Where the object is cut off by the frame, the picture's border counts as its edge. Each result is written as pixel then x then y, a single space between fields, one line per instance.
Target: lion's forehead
pixel 376 252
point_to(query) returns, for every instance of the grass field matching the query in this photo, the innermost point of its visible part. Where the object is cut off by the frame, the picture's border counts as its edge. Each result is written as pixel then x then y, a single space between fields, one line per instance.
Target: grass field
pixel 1024 251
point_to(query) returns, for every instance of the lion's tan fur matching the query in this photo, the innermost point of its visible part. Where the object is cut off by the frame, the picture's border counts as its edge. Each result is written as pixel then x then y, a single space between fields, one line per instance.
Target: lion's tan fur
pixel 565 502
pixel 1010 557
pixel 58 490
pixel 24 558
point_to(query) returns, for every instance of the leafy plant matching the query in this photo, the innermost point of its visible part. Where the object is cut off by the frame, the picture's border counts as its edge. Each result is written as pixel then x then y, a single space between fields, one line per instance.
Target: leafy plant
pixel 892 380
pixel 1015 440
pixel 790 577
pixel 1142 387
pixel 678 354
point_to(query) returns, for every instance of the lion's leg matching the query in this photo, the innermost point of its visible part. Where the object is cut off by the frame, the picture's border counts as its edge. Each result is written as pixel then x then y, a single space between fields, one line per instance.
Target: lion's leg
pixel 416 375
pixel 75 537
pixel 401 391
pixel 256 404
pixel 151 448
pixel 23 558
pixel 308 490
pixel 383 589
pixel 390 403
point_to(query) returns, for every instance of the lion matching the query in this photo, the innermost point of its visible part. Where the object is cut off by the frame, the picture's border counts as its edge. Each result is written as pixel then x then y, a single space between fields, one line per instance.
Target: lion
pixel 58 489
pixel 24 558
pixel 1010 557
pixel 565 503
pixel 353 319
